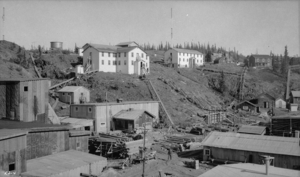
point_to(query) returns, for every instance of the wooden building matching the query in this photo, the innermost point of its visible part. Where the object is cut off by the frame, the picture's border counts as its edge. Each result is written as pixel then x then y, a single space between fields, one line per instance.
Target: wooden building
pixel 47 139
pixel 254 130
pixel 73 94
pixel 260 61
pixel 12 150
pixel 264 100
pixel 24 99
pixel 79 140
pixel 132 119
pixel 285 125
pixel 235 147
pixel 248 170
pixel 295 97
pixel 78 123
pixel 247 106
pixel 280 103
pixel 103 113
pixel 67 164
pixel 215 117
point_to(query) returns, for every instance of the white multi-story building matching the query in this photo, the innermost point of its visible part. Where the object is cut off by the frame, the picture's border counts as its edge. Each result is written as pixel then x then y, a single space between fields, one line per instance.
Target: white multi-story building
pixel 125 57
pixel 183 58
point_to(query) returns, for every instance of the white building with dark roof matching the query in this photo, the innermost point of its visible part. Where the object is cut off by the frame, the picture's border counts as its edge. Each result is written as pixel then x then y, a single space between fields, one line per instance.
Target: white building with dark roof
pixel 183 58
pixel 125 57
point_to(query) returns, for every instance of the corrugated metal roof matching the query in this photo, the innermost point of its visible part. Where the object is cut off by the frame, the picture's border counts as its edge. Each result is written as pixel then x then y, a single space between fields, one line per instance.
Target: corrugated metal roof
pixel 258 130
pixel 261 56
pixel 70 88
pixel 187 51
pixel 296 93
pixel 76 122
pixel 21 79
pixel 131 114
pixel 249 170
pixel 115 103
pixel 60 163
pixel 255 143
pixel 10 133
pixel 125 49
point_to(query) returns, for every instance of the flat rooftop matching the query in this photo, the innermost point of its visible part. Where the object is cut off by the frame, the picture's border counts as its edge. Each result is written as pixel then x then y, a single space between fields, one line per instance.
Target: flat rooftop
pixel 115 103
pixel 31 126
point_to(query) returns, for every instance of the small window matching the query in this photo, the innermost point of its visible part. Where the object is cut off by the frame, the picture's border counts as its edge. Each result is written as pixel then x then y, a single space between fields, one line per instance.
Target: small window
pixel 108 54
pixel 142 55
pixel 119 62
pixel 102 62
pixel 119 54
pixel 76 108
pixel 87 128
pixel 90 109
pixel 132 62
pixel 78 144
pixel 132 54
pixel 114 62
pixel 63 93
pixel 25 89
pixel 108 62
pixel 245 107
pixel 124 62
pixel 207 152
pixel 125 54
pixel 102 54
pixel 12 167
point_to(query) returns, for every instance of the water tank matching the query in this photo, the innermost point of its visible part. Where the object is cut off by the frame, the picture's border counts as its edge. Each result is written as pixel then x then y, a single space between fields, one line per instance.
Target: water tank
pixel 56 45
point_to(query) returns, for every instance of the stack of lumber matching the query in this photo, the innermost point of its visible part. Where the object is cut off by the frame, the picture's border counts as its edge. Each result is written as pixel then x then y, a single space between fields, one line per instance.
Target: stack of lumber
pixel 116 138
pixel 180 139
pixel 133 146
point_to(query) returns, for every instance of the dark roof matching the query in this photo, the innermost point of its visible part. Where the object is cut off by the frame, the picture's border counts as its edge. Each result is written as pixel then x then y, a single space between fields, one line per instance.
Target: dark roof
pixel 295 93
pixel 10 133
pixel 266 94
pixel 31 126
pixel 21 79
pixel 261 56
pixel 126 43
pixel 101 47
pixel 187 51
pixel 257 130
pixel 248 103
pixel 254 143
pixel 131 114
pixel 125 49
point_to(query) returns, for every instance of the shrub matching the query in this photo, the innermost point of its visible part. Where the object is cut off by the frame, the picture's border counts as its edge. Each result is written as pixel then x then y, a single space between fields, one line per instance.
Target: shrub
pixel 11 67
pixel 19 69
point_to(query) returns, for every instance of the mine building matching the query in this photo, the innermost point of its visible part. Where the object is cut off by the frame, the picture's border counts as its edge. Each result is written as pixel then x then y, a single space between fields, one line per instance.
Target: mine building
pixel 13 150
pixel 236 147
pixel 103 113
pixel 183 58
pixel 24 99
pixel 74 95
pixel 285 125
pixel 247 106
pixel 264 101
pixel 260 61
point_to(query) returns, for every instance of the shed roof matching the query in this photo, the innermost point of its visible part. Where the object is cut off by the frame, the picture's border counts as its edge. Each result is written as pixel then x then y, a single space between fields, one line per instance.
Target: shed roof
pixel 101 47
pixel 295 93
pixel 21 79
pixel 248 103
pixel 10 133
pixel 31 126
pixel 261 56
pixel 249 170
pixel 59 163
pixel 126 49
pixel 265 94
pixel 254 143
pixel 115 103
pixel 257 130
pixel 76 122
pixel 187 51
pixel 71 88
pixel 131 114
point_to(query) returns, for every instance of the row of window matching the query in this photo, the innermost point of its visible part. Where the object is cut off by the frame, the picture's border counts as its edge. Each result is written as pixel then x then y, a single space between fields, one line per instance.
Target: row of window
pixel 119 54
pixel 188 60
pixel 262 60
pixel 187 54
pixel 118 62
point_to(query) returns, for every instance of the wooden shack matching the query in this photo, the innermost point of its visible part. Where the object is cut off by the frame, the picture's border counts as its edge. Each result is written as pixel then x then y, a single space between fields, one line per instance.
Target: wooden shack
pixel 47 139
pixel 254 130
pixel 264 100
pixel 103 113
pixel 70 163
pixel 79 140
pixel 72 94
pixel 132 119
pixel 13 150
pixel 295 97
pixel 280 103
pixel 285 125
pixel 24 99
pixel 235 147
pixel 78 123
pixel 247 106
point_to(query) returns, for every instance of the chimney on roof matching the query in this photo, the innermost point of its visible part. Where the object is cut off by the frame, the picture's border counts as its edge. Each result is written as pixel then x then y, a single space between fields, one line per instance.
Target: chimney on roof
pixel 267 163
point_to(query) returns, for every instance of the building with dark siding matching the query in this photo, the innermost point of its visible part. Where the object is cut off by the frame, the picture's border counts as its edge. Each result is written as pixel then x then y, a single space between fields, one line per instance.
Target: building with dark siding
pixel 260 61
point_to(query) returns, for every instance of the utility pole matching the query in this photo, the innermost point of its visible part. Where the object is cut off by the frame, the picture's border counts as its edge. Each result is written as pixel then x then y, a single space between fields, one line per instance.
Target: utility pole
pixel 3 18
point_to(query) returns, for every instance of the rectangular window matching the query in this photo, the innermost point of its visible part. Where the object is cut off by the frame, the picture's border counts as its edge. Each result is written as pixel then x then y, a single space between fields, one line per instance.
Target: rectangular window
pixel 124 62
pixel 132 54
pixel 25 89
pixel 102 54
pixel 108 54
pixel 119 54
pixel 245 108
pixel 207 152
pixel 132 62
pixel 12 167
pixel 119 62
pixel 78 144
pixel 102 62
pixel 108 62
pixel 90 110
pixel 124 54
pixel 76 108
pixel 142 55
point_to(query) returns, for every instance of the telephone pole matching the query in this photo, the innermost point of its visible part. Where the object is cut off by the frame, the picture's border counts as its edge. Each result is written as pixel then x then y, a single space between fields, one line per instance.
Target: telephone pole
pixel 3 18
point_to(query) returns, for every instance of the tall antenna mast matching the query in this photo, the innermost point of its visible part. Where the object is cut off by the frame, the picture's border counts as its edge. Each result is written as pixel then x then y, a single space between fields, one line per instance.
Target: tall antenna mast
pixel 171 27
pixel 3 17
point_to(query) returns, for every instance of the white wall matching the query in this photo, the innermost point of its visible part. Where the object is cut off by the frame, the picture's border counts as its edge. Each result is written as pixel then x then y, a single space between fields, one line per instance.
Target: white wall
pixel 122 67
pixel 106 62
pixel 95 58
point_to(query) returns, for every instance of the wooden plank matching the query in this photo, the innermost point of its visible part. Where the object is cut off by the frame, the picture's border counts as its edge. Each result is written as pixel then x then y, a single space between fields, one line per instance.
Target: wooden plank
pixel 1 147
pixel 12 157
pixel 5 162
pixel 23 160
pixel 25 102
pixel 21 102
pixel 67 139
pixel 18 162
pixel 30 104
pixel 6 146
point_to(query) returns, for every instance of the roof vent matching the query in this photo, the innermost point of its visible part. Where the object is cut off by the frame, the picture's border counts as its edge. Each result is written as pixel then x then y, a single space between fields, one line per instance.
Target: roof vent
pixel 267 160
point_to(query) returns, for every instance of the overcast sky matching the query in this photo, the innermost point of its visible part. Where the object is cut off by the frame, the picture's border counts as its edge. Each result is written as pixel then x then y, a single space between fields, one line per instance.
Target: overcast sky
pixel 246 25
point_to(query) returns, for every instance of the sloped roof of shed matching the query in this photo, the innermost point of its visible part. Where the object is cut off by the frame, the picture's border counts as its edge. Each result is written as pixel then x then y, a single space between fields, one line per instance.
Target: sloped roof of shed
pixel 258 130
pixel 10 133
pixel 296 93
pixel 60 163
pixel 131 114
pixel 126 43
pixel 71 88
pixel 255 143
pixel 249 170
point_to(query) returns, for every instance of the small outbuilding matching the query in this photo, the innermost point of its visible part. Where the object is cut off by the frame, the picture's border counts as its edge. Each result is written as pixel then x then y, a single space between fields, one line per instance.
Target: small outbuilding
pixel 77 123
pixel 264 100
pixel 132 119
pixel 280 103
pixel 13 150
pixel 70 163
pixel 247 106
pixel 295 97
pixel 254 130
pixel 294 107
pixel 74 94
